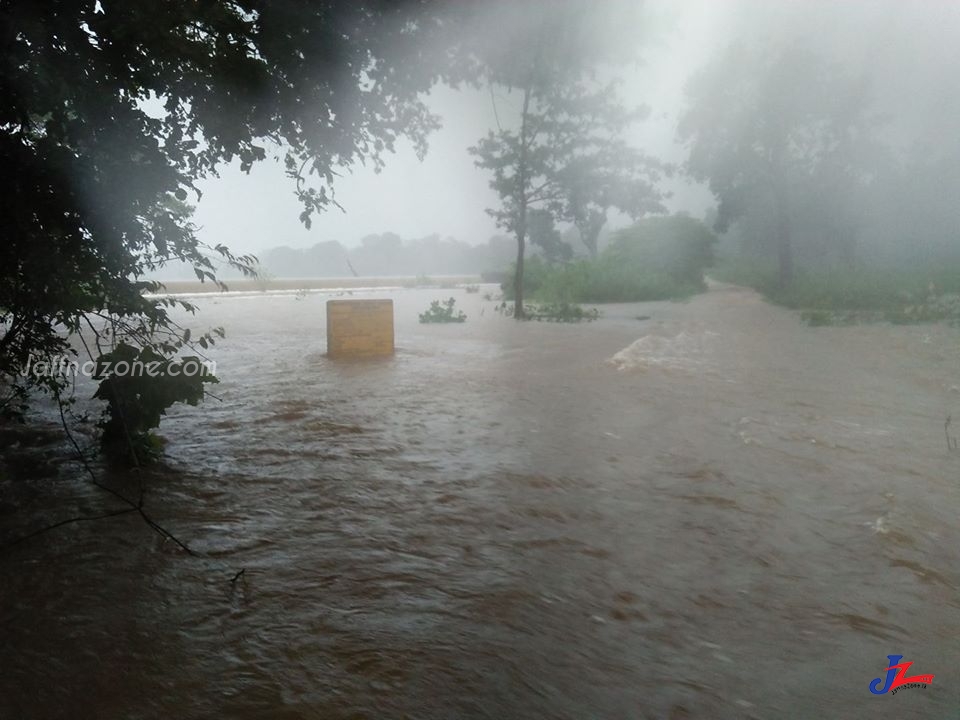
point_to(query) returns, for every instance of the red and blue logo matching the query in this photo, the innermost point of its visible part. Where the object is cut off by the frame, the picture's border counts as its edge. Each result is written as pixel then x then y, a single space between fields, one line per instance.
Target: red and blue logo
pixel 896 678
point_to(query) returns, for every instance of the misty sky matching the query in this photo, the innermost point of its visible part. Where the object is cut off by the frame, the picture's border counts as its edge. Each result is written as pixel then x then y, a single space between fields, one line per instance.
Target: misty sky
pixel 908 47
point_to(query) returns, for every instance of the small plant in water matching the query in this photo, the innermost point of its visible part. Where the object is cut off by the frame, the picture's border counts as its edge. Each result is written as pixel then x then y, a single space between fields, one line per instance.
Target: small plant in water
pixel 443 313
pixel 552 312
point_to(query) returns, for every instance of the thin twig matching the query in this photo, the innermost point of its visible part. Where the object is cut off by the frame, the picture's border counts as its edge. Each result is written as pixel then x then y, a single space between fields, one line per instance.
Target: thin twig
pixel 493 101
pixel 79 518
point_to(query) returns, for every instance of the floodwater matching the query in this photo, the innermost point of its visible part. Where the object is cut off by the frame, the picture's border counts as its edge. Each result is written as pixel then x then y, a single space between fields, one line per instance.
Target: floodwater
pixel 683 510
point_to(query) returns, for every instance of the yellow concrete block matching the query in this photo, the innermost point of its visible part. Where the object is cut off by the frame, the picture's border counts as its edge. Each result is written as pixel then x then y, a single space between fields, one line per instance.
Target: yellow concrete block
pixel 359 328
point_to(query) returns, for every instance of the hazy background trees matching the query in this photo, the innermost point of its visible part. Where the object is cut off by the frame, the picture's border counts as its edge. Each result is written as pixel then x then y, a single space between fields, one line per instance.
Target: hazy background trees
pixel 389 255
pixel 784 140
pixel 824 132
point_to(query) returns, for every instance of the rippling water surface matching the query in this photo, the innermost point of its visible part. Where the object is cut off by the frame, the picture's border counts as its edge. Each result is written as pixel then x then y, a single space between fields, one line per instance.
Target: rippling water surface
pixel 712 512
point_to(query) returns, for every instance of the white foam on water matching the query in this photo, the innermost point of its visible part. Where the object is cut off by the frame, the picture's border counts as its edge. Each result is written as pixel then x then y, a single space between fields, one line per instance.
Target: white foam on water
pixel 687 351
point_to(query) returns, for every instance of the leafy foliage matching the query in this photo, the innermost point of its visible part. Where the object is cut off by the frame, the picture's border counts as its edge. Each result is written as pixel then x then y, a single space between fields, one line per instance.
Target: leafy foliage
pixel 561 312
pixel 613 175
pixel 678 246
pixel 544 234
pixel 552 312
pixel 136 401
pixel 655 259
pixel 443 313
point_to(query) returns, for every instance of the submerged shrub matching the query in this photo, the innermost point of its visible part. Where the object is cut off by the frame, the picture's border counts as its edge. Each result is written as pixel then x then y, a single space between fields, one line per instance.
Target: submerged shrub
pixel 139 386
pixel 442 313
pixel 552 312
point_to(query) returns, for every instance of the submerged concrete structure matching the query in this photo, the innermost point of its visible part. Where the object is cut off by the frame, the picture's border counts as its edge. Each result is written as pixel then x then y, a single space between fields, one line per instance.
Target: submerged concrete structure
pixel 359 328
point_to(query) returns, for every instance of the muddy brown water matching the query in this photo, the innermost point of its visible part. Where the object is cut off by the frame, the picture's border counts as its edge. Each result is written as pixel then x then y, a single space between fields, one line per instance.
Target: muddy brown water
pixel 715 512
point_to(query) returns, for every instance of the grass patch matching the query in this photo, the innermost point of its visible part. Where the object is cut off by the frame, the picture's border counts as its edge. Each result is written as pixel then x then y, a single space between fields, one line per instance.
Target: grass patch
pixel 842 297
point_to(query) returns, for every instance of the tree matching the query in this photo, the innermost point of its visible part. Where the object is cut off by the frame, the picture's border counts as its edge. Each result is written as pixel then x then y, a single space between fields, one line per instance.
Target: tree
pixel 559 154
pixel 675 246
pixel 110 113
pixel 785 142
pixel 613 175
pixel 544 234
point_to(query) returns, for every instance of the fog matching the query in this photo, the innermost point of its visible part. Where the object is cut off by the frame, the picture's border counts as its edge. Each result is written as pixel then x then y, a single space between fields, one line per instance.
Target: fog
pixel 905 53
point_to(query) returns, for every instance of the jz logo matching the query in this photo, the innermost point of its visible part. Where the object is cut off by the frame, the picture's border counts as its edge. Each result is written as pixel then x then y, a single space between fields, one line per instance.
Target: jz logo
pixel 897 678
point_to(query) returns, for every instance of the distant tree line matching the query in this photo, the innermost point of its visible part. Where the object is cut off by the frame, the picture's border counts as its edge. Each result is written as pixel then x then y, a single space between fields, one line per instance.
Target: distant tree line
pixel 389 255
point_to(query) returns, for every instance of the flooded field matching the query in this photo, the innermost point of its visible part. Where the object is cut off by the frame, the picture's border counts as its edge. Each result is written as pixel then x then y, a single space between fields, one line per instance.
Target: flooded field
pixel 682 510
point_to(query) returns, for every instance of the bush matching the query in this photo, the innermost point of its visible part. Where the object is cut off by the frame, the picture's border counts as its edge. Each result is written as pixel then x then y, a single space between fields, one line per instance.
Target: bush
pixel 655 259
pixel 677 247
pixel 138 397
pixel 442 313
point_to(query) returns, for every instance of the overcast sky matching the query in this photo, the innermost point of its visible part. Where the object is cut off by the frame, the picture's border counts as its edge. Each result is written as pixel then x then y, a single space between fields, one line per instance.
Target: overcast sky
pixel 908 46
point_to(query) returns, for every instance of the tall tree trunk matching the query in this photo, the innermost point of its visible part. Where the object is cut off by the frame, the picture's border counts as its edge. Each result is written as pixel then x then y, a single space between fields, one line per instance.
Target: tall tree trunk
pixel 518 278
pixel 589 224
pixel 521 229
pixel 589 238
